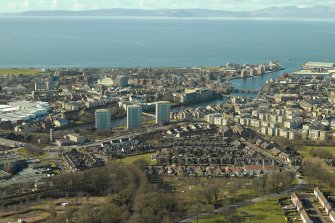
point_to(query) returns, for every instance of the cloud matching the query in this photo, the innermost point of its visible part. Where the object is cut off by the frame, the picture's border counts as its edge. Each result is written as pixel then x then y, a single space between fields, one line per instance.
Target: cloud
pixel 54 4
pixel 77 5
pixel 23 5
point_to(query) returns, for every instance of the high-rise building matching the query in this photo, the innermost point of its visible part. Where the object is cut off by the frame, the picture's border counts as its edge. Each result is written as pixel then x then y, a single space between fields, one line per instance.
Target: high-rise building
pixel 103 119
pixel 163 109
pixel 134 116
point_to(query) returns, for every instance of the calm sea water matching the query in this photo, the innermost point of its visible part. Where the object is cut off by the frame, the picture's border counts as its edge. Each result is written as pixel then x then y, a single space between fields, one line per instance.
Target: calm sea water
pixel 129 42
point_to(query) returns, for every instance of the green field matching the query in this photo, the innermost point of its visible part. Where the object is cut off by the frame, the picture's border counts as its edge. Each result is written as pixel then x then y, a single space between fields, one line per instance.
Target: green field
pixel 24 71
pixel 132 159
pixel 304 150
pixel 268 211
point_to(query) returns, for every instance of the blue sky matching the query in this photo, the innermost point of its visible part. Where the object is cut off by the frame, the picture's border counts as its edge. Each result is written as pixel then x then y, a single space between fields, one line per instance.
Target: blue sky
pixel 236 5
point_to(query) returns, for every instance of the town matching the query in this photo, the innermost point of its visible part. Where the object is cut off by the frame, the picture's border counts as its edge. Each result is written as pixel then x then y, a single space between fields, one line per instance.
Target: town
pixel 178 127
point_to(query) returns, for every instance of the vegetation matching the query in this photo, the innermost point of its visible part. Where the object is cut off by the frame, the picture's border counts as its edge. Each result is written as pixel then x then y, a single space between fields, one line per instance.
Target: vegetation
pixel 32 151
pixel 18 71
pixel 133 159
pixel 129 195
pixel 316 169
pixel 317 151
pixel 260 212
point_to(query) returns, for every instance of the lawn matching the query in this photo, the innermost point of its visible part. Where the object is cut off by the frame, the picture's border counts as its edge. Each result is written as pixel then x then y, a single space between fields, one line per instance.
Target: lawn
pixel 268 211
pixel 24 71
pixel 132 159
pixel 304 150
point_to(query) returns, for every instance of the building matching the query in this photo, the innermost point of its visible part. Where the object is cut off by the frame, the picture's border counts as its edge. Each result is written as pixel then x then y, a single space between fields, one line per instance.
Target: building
pixel 103 119
pixel 332 216
pixel 121 81
pixel 134 116
pixel 163 109
pixel 318 66
pixel 45 85
pixel 23 110
pixel 13 165
pixel 323 200
pixel 305 217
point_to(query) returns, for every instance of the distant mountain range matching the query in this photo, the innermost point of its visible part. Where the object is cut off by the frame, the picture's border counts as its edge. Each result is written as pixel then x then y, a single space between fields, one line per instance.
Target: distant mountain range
pixel 319 12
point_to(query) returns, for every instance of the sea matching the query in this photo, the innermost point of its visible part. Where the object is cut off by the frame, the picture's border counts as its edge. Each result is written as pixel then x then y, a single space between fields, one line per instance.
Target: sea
pixel 164 42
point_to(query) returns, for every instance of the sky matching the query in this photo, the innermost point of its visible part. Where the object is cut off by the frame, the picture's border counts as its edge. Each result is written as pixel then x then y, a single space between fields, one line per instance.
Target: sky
pixel 9 6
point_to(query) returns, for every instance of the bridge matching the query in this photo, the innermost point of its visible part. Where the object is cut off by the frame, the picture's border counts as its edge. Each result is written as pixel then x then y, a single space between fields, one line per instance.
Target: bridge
pixel 248 91
pixel 148 114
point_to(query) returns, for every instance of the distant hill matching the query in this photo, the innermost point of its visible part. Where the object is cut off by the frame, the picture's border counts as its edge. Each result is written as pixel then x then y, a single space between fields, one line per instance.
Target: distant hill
pixel 321 12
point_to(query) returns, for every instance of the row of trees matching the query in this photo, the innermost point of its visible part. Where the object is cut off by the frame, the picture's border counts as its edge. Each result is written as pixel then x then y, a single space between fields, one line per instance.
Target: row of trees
pixel 317 169
pixel 321 153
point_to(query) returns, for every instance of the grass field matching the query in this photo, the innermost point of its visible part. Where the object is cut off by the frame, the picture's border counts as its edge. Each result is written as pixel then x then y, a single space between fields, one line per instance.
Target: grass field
pixel 268 211
pixel 132 159
pixel 304 150
pixel 24 71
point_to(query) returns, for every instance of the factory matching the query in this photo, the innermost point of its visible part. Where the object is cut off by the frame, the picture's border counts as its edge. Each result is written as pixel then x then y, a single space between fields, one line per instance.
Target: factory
pixel 23 110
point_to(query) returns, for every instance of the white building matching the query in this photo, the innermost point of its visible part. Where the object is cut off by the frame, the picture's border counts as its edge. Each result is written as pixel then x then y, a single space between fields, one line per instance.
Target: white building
pixel 23 110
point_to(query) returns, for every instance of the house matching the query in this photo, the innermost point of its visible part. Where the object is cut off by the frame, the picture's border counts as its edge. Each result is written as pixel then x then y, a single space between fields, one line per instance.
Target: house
pixel 332 216
pixel 252 169
pixel 322 199
pixel 297 203
pixel 284 156
pixel 60 122
pixel 270 169
pixel 233 171
pixel 76 138
pixel 305 217
pixel 274 151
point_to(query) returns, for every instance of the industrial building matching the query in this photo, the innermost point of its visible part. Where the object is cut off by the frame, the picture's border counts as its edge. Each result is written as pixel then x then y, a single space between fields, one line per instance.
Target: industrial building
pixel 23 110
pixel 134 117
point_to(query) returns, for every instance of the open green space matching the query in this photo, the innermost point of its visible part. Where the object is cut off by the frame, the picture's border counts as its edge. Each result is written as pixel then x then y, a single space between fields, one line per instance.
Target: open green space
pixel 23 71
pixel 305 150
pixel 132 159
pixel 268 211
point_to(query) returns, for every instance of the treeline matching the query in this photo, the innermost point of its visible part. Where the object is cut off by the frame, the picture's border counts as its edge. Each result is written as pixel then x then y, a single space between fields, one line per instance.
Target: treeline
pixel 317 169
pixel 320 153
